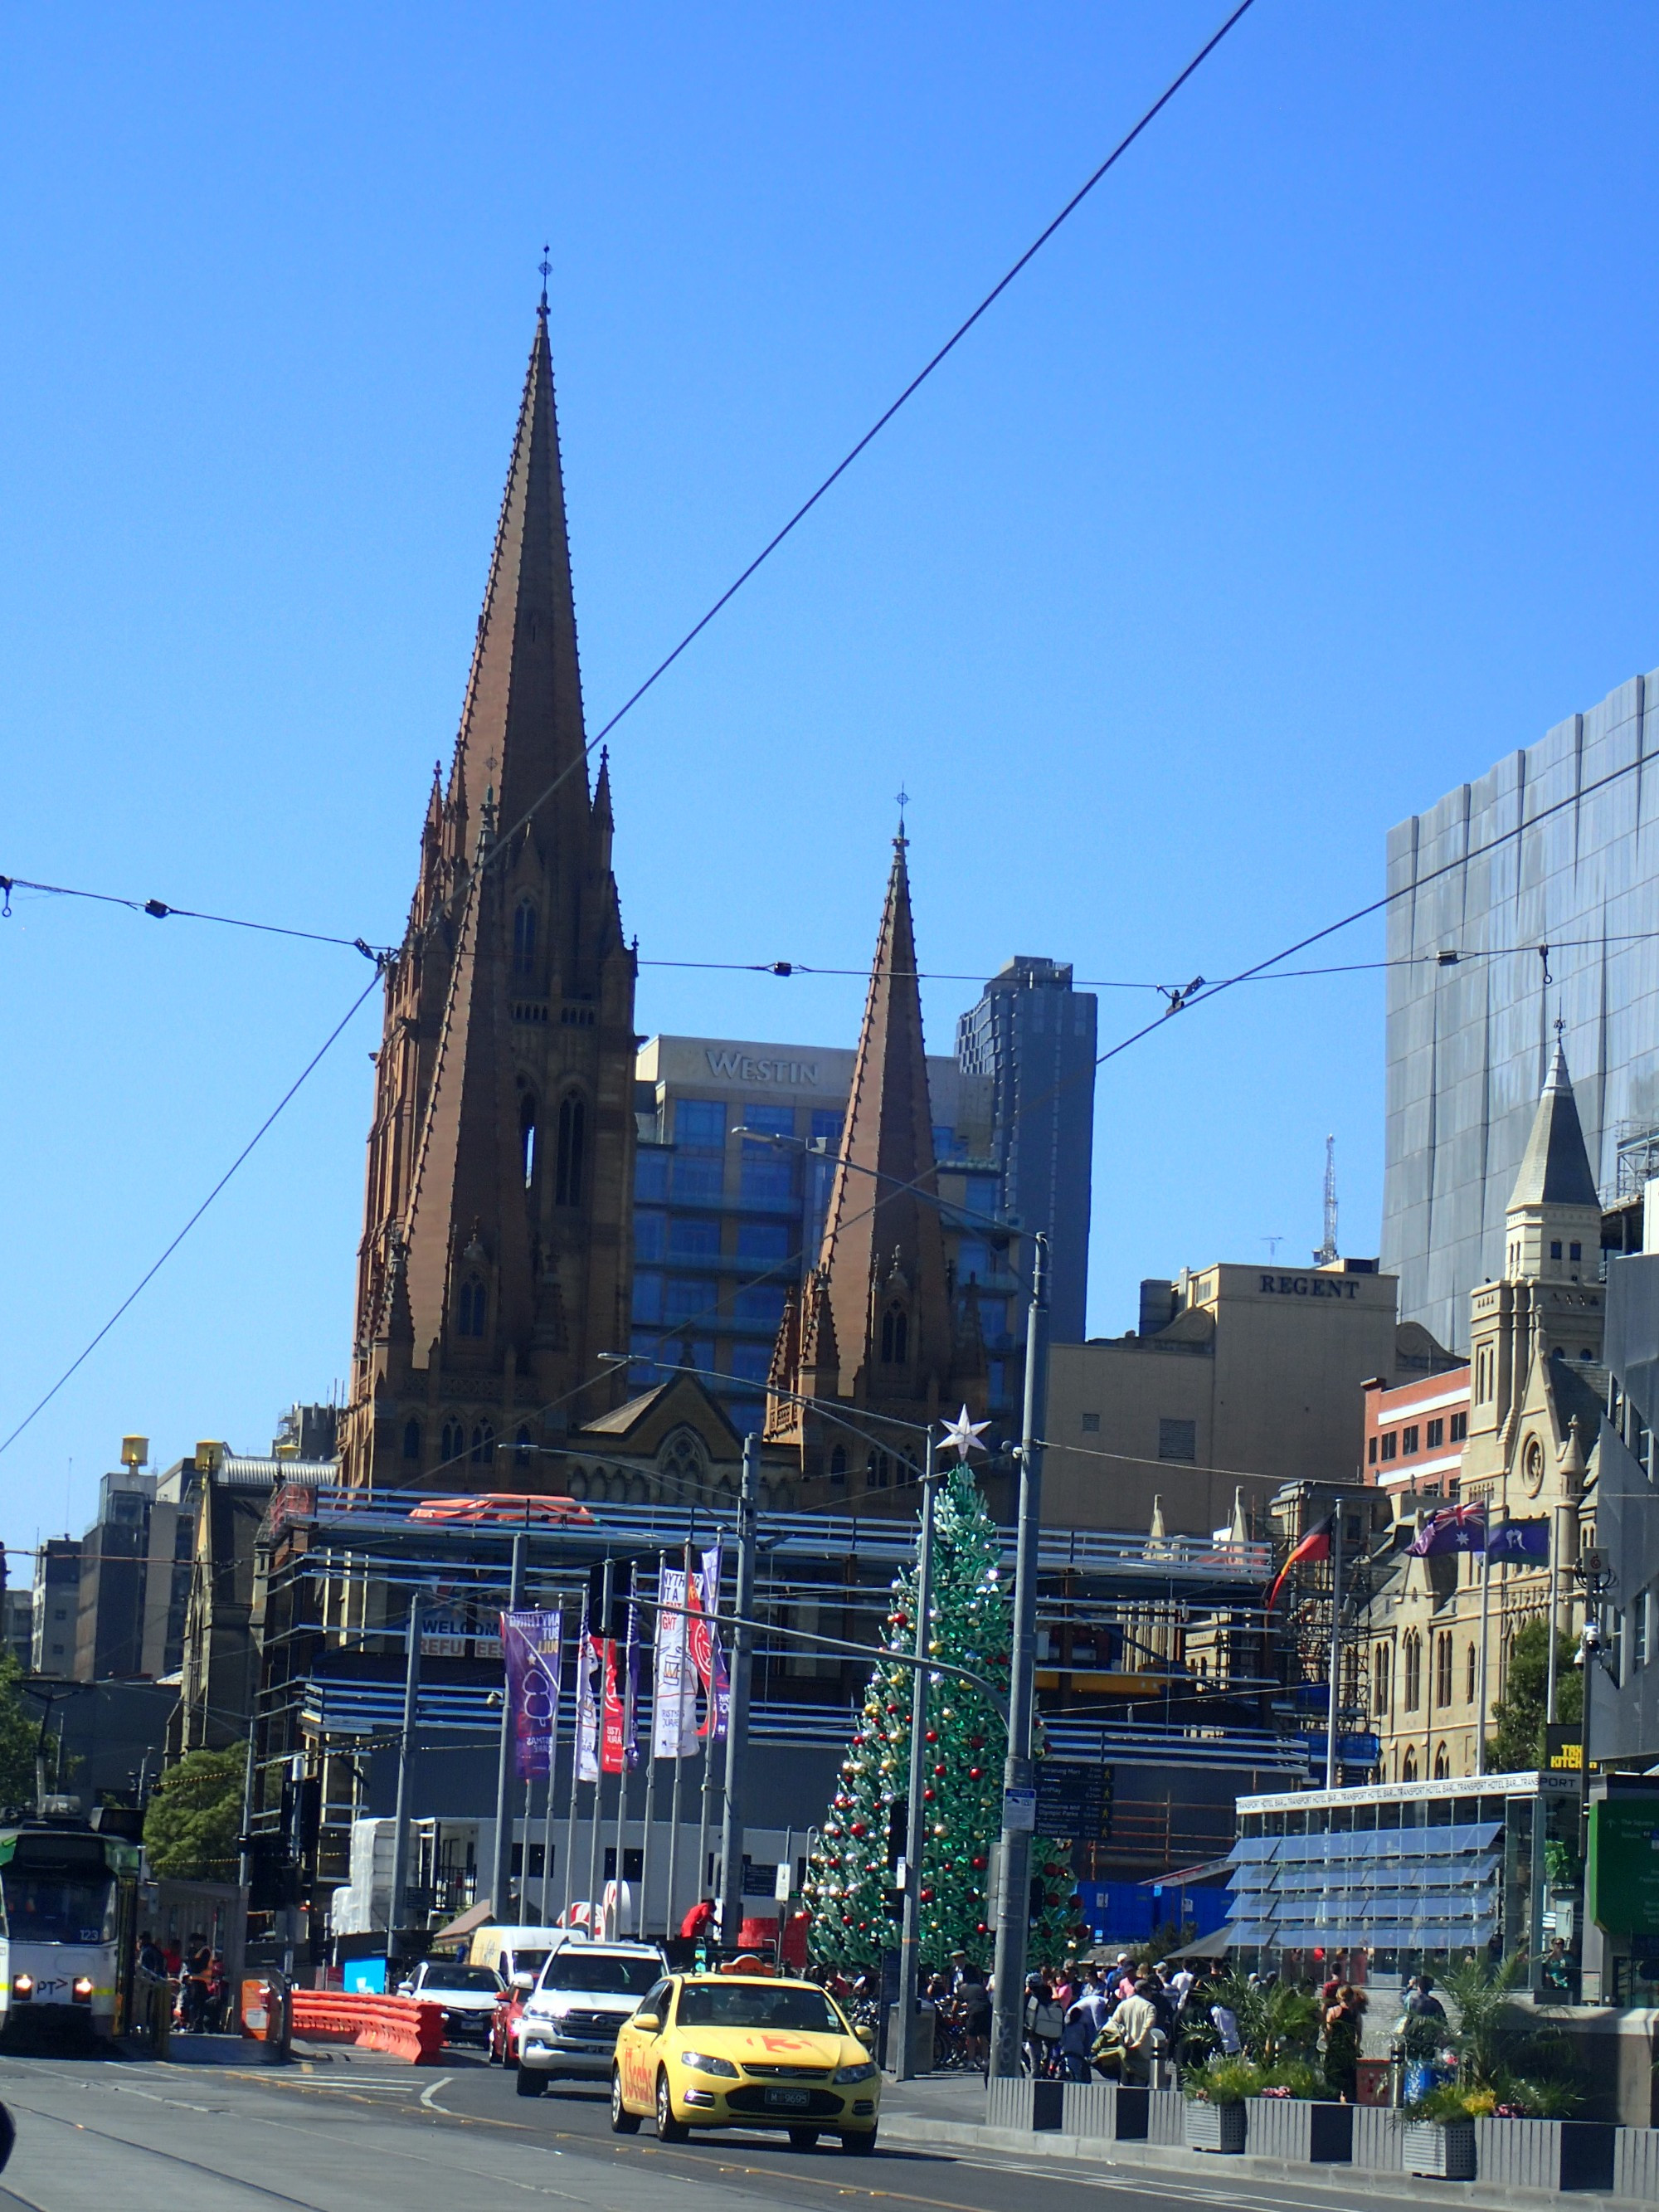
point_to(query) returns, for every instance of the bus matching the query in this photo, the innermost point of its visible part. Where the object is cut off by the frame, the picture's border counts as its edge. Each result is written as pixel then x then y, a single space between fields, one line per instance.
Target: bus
pixel 68 1941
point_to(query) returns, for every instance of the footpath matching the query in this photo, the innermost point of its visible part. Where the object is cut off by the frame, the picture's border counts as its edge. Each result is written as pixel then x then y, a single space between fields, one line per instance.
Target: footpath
pixel 946 2111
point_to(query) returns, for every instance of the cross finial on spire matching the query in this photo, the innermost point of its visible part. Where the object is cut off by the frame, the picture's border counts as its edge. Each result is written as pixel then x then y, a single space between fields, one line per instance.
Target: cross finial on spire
pixel 546 266
pixel 903 801
pixel 1560 1024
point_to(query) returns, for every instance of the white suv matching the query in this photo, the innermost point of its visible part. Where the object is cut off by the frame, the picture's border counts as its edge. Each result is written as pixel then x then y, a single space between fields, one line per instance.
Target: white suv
pixel 582 1996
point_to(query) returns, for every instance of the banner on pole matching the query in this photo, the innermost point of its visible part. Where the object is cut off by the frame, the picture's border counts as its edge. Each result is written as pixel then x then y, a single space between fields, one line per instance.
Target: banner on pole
pixel 587 1711
pixel 706 1649
pixel 530 1645
pixel 674 1680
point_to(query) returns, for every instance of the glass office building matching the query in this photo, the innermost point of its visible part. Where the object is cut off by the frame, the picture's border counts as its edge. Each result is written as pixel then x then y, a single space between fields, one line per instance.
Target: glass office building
pixel 1529 897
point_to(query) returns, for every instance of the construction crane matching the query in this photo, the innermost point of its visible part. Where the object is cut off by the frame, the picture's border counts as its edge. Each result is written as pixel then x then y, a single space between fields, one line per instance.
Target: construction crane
pixel 1327 1252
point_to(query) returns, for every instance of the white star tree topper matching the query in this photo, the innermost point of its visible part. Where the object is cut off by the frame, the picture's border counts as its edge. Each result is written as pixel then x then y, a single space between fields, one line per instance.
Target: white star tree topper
pixel 964 1435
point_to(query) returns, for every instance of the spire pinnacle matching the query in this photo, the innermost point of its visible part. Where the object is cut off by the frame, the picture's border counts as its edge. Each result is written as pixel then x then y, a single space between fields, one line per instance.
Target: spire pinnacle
pixel 546 267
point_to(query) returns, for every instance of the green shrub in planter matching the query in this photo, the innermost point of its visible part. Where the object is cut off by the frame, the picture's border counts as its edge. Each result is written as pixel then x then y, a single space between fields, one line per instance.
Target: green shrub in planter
pixel 1224 2082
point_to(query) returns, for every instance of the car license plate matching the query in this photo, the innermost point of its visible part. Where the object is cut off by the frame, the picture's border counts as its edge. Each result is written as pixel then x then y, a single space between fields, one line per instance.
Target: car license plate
pixel 793 2099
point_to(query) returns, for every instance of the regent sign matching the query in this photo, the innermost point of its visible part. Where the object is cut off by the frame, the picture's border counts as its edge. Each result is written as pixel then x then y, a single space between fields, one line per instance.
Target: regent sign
pixel 1304 1286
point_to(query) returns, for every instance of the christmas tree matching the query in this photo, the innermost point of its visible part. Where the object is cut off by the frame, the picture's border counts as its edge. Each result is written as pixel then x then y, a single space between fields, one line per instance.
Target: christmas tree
pixel 848 1880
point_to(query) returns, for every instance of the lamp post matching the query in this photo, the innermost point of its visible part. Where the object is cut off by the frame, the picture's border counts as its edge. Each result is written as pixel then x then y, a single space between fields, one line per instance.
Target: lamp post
pixel 1018 1792
pixel 737 1711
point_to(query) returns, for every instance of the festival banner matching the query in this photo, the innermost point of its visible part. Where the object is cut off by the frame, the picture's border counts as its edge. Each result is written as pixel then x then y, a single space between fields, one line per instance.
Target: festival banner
pixel 706 1650
pixel 674 1680
pixel 529 1643
pixel 587 1712
pixel 613 1725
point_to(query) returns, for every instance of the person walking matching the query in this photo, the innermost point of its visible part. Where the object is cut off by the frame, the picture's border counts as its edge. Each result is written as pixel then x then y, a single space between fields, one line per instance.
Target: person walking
pixel 1136 2021
pixel 1077 2040
pixel 1344 2024
pixel 1044 2023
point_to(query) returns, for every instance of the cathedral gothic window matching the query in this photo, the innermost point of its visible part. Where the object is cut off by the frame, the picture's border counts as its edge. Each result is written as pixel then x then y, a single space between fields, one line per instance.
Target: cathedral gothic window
pixel 527 1138
pixel 1381 1678
pixel 483 1444
pixel 895 1336
pixel 454 1442
pixel 411 1440
pixel 1411 1655
pixel 1408 1766
pixel 1443 1669
pixel 572 1137
pixel 470 1309
pixel 524 939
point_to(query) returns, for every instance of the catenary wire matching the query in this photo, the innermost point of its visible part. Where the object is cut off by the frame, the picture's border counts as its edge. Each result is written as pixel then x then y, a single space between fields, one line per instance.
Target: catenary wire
pixel 159 911
pixel 156 1267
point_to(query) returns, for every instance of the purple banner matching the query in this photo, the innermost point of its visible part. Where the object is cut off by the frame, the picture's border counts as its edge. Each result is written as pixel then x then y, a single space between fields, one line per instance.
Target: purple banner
pixel 530 1646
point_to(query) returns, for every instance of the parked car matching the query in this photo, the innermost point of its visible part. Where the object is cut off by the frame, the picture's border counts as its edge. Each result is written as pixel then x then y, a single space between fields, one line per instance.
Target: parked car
pixel 568 2028
pixel 467 1994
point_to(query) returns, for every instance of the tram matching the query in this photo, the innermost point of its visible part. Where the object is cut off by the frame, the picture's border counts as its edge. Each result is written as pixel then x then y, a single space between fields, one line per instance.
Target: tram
pixel 68 1941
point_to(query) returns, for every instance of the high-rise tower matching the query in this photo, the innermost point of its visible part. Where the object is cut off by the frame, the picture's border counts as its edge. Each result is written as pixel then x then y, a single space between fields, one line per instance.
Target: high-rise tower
pixel 495 1260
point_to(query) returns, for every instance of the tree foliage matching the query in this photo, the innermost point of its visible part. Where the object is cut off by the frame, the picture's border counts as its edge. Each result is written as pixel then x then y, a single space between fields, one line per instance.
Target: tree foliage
pixel 19 1732
pixel 1517 1744
pixel 195 1818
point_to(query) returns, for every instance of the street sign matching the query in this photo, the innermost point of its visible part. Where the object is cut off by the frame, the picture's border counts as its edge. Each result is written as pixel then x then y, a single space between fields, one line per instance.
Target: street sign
pixel 1621 1881
pixel 786 1880
pixel 1073 1799
pixel 1019 1809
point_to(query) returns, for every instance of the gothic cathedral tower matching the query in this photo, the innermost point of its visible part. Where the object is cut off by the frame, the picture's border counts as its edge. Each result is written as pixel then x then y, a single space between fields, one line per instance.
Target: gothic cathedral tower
pixel 496 1257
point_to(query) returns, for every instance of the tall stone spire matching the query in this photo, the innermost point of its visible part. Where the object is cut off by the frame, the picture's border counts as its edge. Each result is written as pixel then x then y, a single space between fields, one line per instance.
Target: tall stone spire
pixel 875 1328
pixel 495 1260
pixel 1553 1221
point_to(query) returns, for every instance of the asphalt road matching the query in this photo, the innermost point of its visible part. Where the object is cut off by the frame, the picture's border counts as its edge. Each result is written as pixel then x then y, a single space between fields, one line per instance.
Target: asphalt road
pixel 358 2133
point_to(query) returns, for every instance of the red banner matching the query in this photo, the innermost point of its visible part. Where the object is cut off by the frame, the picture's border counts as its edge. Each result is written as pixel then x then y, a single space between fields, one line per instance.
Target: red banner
pixel 613 1719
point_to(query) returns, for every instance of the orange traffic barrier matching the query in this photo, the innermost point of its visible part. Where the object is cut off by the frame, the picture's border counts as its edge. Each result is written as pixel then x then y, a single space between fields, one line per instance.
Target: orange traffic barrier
pixel 403 2027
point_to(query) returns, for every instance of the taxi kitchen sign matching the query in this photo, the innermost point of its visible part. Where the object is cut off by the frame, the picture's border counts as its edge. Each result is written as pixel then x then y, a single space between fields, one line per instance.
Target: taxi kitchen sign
pixel 1621 1892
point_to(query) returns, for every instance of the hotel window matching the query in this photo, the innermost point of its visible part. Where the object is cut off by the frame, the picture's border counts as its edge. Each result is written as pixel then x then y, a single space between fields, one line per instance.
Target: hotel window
pixel 1443 1669
pixel 1177 1440
pixel 768 1241
pixel 1460 1428
pixel 693 1236
pixel 1408 1441
pixel 1575 1251
pixel 650 1236
pixel 689 1298
pixel 769 1170
pixel 650 1173
pixel 1555 1248
pixel 1390 1445
pixel 1436 1435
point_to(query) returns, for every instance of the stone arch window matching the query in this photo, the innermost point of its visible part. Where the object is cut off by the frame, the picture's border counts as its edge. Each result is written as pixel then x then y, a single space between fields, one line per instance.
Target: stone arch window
pixel 838 1464
pixel 470 1307
pixel 1442 1764
pixel 483 1444
pixel 1383 1677
pixel 527 1138
pixel 1411 1653
pixel 1443 1667
pixel 878 1471
pixel 680 1461
pixel 573 1144
pixel 895 1335
pixel 1408 1764
pixel 453 1442
pixel 524 939
pixel 411 1440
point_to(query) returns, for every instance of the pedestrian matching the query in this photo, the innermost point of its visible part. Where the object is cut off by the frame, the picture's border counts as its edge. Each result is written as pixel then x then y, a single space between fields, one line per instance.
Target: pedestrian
pixel 1094 1998
pixel 1423 2002
pixel 1136 2021
pixel 1344 2022
pixel 1077 2040
pixel 1181 1984
pixel 150 1960
pixel 199 1959
pixel 973 2002
pixel 1044 2023
pixel 1225 2020
pixel 698 1922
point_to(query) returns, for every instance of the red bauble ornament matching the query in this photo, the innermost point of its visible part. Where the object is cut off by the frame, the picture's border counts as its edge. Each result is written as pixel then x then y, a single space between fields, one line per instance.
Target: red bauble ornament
pixel 927 1896
pixel 940 1769
pixel 931 1736
pixel 901 1620
pixel 928 1795
pixel 979 1866
pixel 974 1773
pixel 975 1743
pixel 981 1930
pixel 858 1828
pixel 1052 1873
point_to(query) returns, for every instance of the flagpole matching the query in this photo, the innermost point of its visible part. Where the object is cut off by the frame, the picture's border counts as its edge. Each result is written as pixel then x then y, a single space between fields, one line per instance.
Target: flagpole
pixel 680 1747
pixel 577 1678
pixel 642 1929
pixel 1332 1763
pixel 607 1591
pixel 1486 1646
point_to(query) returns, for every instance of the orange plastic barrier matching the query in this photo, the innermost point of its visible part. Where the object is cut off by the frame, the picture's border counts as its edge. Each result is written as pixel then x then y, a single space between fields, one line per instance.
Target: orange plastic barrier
pixel 403 2027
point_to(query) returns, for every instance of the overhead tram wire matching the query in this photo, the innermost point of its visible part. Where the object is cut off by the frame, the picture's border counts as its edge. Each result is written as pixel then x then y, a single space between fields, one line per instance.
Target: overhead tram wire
pixel 159 911
pixel 154 1269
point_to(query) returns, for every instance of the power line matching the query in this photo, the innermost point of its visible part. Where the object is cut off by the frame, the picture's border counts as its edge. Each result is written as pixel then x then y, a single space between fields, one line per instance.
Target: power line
pixel 159 911
pixel 152 1272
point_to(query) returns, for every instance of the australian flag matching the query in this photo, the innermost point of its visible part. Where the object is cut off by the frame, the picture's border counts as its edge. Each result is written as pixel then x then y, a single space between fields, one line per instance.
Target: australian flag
pixel 1454 1529
pixel 1519 1539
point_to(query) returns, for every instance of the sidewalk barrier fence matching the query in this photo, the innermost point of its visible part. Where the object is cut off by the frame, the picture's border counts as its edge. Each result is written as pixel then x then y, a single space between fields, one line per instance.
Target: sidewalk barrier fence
pixel 1549 2155
pixel 1636 2163
pixel 1297 2127
pixel 403 2028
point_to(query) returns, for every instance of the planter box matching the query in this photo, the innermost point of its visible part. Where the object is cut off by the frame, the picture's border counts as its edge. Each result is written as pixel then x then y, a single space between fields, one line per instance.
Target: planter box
pixel 1300 2128
pixel 1166 2116
pixel 1376 2138
pixel 1106 2111
pixel 1550 2154
pixel 1216 2127
pixel 1443 2150
pixel 1636 2163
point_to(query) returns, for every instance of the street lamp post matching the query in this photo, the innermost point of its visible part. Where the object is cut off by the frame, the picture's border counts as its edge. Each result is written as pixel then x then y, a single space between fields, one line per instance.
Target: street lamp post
pixel 1018 1798
pixel 737 1711
pixel 915 1836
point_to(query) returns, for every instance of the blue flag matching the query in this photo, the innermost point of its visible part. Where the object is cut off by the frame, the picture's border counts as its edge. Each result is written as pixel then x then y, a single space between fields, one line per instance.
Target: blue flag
pixel 1519 1539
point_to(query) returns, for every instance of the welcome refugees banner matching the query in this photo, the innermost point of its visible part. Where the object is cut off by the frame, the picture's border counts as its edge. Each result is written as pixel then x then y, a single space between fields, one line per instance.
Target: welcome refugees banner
pixel 674 1680
pixel 530 1646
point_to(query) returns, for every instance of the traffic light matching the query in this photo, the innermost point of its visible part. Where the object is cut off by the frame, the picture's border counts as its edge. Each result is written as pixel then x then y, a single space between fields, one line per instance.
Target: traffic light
pixel 302 1818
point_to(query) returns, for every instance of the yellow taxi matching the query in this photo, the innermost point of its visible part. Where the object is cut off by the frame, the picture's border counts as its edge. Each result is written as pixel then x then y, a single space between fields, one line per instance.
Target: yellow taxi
pixel 744 2050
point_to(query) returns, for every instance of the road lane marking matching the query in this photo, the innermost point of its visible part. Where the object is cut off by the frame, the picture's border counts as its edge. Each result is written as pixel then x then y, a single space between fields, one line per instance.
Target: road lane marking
pixel 427 2095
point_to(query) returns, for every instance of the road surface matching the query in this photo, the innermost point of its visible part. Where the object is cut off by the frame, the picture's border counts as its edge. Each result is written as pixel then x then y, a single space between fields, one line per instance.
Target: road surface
pixel 358 2133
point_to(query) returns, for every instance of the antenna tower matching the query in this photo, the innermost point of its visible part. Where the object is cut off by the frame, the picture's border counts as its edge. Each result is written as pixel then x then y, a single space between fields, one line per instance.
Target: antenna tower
pixel 1326 1252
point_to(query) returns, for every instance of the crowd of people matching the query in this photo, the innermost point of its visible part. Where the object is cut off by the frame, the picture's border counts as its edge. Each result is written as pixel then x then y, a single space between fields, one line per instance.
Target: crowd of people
pixel 196 1973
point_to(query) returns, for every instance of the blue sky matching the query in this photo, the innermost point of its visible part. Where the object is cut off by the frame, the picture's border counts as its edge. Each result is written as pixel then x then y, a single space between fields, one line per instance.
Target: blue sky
pixel 1309 469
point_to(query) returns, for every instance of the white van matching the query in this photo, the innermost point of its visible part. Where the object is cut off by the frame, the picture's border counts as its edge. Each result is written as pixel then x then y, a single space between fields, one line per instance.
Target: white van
pixel 512 1951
